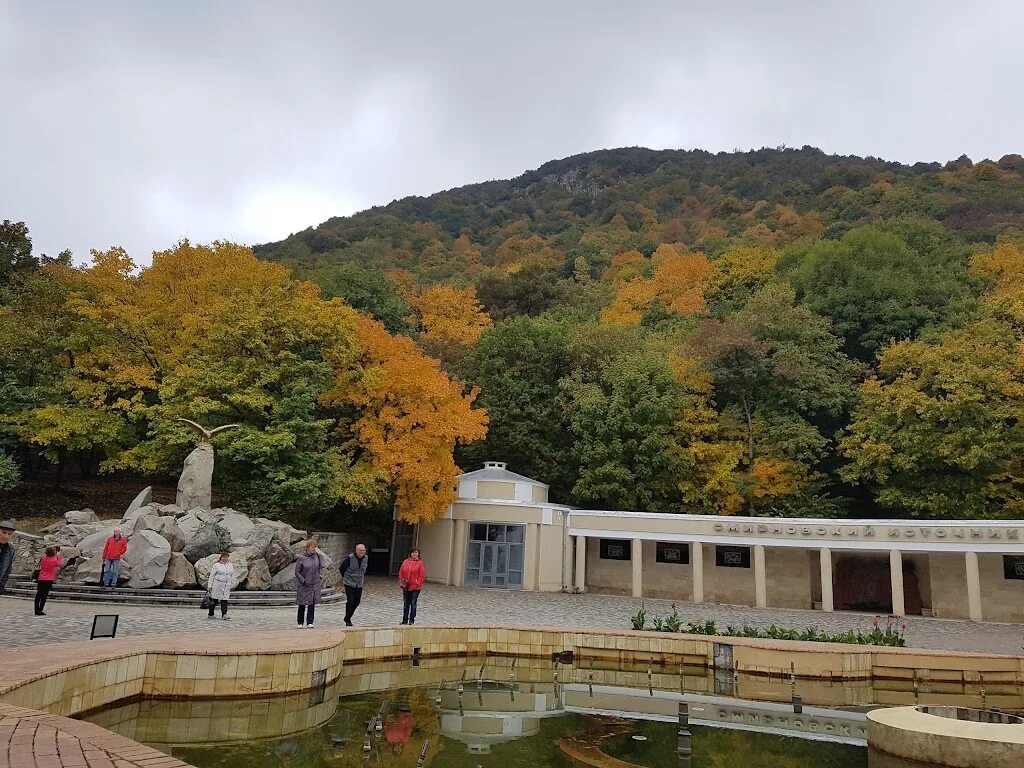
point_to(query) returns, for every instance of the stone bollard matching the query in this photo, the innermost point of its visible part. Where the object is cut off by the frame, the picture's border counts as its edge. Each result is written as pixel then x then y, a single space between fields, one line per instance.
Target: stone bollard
pixel 684 746
pixel 798 703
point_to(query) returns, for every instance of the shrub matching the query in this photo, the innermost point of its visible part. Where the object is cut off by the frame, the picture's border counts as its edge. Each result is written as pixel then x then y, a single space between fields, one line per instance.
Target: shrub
pixel 892 634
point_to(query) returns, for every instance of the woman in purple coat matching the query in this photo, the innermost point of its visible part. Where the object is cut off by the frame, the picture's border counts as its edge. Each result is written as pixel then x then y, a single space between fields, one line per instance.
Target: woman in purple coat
pixel 307 577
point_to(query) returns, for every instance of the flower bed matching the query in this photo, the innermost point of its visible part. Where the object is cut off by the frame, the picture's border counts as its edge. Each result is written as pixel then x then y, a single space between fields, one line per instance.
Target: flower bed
pixel 891 633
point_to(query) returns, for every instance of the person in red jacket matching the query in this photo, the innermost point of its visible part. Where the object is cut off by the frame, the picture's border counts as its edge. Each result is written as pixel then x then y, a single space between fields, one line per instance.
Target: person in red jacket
pixel 49 566
pixel 113 551
pixel 410 578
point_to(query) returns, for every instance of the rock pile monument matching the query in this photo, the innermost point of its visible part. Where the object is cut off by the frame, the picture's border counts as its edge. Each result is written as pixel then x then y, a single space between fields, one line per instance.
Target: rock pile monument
pixel 175 545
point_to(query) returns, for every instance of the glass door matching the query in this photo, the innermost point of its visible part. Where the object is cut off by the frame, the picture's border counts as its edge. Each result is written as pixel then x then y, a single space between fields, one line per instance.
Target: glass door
pixel 494 556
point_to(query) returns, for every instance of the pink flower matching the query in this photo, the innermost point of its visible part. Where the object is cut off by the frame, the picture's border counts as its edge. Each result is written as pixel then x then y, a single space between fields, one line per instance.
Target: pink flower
pixel 903 625
pixel 875 622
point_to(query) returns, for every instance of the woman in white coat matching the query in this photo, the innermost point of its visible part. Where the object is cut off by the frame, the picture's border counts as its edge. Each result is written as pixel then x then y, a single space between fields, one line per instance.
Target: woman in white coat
pixel 222 579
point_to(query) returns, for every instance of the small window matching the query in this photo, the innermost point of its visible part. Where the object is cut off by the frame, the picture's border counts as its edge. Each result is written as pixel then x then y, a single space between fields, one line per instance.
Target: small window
pixel 732 557
pixel 1013 566
pixel 677 552
pixel 478 532
pixel 616 549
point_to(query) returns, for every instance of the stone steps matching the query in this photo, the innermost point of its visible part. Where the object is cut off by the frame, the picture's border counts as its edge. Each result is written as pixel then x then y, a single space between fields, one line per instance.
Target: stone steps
pixel 127 596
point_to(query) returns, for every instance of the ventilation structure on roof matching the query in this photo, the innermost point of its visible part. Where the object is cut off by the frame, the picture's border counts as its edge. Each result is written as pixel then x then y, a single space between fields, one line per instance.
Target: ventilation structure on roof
pixel 494 465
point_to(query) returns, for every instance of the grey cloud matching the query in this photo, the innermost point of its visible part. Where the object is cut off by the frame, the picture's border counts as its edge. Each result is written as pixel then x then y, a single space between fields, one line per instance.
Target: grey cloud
pixel 139 123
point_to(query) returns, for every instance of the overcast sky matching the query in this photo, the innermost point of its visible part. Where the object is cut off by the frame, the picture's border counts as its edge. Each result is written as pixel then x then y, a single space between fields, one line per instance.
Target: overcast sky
pixel 139 123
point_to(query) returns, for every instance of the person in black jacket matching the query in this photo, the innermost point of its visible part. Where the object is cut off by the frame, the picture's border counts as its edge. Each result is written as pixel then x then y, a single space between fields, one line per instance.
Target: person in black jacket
pixel 6 552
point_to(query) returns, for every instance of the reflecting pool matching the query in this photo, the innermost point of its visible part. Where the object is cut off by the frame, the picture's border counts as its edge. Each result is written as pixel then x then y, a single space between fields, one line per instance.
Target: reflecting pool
pixel 515 712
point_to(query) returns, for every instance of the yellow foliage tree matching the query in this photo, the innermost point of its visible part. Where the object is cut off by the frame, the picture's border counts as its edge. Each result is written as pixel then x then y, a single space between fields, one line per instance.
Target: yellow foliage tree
pixel 677 283
pixel 413 416
pixel 1004 266
pixel 450 320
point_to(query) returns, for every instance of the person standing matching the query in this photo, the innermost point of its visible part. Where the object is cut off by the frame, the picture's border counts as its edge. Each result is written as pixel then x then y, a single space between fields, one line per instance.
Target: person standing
pixel 411 576
pixel 113 551
pixel 222 579
pixel 353 574
pixel 6 552
pixel 49 566
pixel 308 578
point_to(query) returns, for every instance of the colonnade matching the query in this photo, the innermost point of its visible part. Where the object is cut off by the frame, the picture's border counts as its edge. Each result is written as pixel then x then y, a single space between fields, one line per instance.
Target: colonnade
pixel 972 574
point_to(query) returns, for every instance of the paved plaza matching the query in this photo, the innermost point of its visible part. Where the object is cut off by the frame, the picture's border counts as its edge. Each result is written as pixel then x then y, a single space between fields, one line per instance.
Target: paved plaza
pixel 382 606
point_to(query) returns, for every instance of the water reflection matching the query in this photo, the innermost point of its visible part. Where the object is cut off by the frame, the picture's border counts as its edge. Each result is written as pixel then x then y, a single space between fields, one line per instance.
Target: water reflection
pixel 506 712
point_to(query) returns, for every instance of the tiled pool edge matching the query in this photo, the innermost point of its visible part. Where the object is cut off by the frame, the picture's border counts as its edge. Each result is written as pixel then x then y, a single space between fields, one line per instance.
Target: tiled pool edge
pixel 68 679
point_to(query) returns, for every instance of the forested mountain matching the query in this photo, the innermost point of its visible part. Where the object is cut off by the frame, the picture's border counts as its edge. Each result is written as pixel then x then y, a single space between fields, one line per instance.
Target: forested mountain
pixel 779 332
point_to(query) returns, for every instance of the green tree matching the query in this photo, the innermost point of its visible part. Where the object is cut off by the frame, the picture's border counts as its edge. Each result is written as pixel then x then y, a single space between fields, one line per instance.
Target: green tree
pixel 940 431
pixel 15 250
pixel 879 285
pixel 624 425
pixel 367 291
pixel 517 366
pixel 10 475
pixel 783 386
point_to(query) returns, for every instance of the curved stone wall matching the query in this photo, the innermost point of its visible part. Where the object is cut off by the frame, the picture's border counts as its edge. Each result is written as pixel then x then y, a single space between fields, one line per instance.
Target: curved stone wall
pixel 911 734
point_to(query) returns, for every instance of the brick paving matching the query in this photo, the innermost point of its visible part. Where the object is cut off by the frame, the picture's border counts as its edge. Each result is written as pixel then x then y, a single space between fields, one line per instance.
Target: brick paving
pixel 30 739
pixel 450 606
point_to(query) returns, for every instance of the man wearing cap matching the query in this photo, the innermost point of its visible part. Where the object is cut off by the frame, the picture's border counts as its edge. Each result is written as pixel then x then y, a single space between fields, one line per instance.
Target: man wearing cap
pixel 6 552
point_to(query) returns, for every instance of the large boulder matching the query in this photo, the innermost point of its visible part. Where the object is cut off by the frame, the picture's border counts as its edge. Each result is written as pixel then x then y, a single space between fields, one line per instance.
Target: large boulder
pixel 148 556
pixel 278 555
pixel 143 518
pixel 259 574
pixel 180 573
pixel 90 570
pixel 329 573
pixel 284 580
pixel 288 534
pixel 170 509
pixel 54 527
pixel 211 539
pixel 71 535
pixel 205 565
pixel 196 481
pixel 92 545
pixel 237 524
pixel 193 520
pixel 144 499
pixel 81 516
pixel 169 529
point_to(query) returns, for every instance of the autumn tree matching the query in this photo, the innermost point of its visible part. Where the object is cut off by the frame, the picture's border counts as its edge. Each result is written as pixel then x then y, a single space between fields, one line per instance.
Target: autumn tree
pixel 939 432
pixel 783 386
pixel 412 416
pixel 450 320
pixel 676 283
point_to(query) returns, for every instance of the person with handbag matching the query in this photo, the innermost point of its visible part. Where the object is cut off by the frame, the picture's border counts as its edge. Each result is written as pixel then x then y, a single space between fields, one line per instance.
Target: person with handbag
pixel 49 567
pixel 411 576
pixel 308 578
pixel 222 579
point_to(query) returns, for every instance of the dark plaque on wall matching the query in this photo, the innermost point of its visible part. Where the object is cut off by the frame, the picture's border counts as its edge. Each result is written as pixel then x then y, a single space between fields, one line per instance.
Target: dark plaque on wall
pixel 732 557
pixel 677 552
pixel 615 549
pixel 1013 566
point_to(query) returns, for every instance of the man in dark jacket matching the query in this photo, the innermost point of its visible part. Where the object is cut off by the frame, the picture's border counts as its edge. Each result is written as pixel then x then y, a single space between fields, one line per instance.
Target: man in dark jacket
pixel 353 572
pixel 6 552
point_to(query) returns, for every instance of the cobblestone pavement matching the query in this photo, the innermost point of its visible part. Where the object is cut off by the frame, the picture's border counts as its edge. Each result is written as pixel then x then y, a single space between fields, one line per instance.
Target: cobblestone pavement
pixel 382 606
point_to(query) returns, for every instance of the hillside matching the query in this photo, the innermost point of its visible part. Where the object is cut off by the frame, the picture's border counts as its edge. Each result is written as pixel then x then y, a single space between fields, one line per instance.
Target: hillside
pixel 595 205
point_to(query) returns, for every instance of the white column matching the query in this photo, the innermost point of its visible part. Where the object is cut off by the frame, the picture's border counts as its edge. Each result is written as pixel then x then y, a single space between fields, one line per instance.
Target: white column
pixel 636 555
pixel 973 587
pixel 531 556
pixel 697 567
pixel 827 601
pixel 760 583
pixel 461 540
pixel 896 574
pixel 581 563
